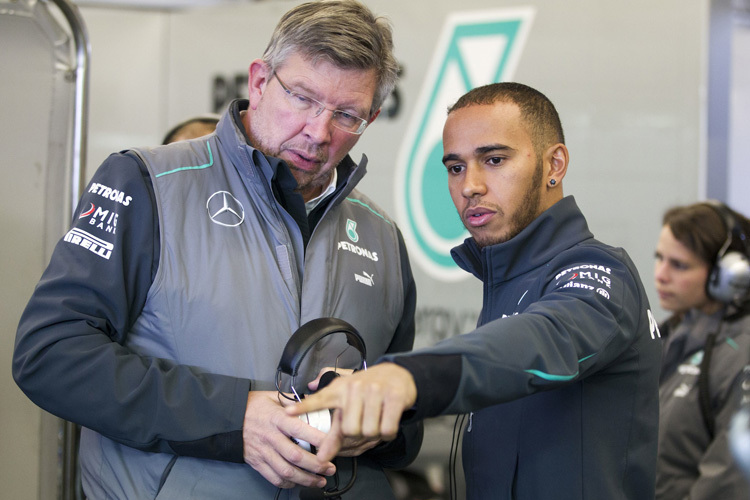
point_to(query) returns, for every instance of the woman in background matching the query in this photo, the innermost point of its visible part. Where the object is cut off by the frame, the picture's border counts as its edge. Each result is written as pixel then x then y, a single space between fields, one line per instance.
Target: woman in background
pixel 702 277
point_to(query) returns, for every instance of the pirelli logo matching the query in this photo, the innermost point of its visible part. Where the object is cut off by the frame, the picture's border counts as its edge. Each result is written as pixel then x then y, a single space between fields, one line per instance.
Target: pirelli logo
pixel 89 242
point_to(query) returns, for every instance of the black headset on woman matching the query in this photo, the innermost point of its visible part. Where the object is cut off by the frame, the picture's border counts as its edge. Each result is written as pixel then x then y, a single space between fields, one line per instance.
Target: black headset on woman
pixel 727 283
pixel 729 279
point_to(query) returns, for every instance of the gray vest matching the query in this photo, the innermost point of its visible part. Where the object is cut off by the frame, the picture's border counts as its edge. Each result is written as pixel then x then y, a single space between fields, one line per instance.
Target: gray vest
pixel 233 283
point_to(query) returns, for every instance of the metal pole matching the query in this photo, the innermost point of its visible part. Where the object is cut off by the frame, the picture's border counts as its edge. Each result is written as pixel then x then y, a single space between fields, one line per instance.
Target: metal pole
pixel 81 109
pixel 70 431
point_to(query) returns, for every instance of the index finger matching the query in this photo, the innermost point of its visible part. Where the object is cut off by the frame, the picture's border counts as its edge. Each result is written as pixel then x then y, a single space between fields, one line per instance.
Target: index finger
pixel 325 399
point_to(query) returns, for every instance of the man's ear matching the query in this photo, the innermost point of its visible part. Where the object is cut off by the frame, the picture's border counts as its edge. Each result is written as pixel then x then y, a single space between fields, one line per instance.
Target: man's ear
pixel 557 159
pixel 258 76
pixel 372 118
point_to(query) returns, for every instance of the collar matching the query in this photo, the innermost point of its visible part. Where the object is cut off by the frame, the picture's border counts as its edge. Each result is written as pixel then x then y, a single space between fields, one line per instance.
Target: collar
pixel 310 205
pixel 558 228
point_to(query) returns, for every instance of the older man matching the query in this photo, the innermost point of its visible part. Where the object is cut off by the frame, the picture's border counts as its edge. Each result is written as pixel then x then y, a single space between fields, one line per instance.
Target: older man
pixel 163 314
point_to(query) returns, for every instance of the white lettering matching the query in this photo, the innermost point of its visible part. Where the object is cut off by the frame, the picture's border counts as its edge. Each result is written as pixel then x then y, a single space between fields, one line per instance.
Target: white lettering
pixel 573 284
pixel 682 391
pixel 100 213
pixel 111 194
pixel 689 370
pixel 89 242
pixel 367 280
pixel 584 266
pixel 653 325
pixel 345 245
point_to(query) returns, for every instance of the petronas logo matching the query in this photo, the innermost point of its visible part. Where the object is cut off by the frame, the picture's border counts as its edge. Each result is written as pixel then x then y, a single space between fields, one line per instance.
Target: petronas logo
pixel 351 230
pixel 474 48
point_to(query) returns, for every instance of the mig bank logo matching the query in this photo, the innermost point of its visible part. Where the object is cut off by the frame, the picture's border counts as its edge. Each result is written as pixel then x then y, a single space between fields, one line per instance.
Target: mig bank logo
pixel 474 49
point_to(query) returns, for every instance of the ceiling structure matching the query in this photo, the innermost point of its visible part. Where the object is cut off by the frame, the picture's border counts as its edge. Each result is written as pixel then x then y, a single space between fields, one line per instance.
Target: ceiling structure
pixel 158 4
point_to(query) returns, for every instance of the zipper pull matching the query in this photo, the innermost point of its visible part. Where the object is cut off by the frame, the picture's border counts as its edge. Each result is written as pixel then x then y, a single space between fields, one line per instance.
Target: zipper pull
pixel 471 421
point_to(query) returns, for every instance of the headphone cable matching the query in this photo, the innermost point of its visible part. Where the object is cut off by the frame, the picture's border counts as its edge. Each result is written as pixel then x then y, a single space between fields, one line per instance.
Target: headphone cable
pixel 453 456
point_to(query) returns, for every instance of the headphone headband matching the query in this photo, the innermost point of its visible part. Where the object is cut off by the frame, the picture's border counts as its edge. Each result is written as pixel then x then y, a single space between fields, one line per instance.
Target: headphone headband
pixel 730 223
pixel 729 280
pixel 306 336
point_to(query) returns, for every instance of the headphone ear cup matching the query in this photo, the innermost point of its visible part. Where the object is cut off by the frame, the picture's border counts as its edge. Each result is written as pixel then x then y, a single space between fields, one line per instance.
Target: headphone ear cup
pixel 730 278
pixel 326 379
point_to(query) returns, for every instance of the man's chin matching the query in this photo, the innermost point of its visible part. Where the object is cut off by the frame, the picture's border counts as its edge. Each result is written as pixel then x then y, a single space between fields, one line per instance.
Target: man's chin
pixel 303 177
pixel 487 240
pixel 307 183
pixel 484 240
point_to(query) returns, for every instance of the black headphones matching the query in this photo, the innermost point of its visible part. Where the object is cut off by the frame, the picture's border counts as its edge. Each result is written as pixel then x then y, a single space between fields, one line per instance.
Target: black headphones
pixel 306 336
pixel 729 280
pixel 297 347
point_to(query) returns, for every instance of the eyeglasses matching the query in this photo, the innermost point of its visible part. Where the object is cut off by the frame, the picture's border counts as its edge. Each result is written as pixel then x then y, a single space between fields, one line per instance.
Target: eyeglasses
pixel 342 120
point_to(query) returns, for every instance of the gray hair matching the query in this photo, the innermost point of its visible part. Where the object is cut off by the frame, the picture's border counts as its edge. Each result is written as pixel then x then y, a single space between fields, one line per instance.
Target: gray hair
pixel 343 32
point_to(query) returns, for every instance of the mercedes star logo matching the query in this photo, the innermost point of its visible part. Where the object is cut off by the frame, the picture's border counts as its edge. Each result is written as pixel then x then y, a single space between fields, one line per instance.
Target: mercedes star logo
pixel 224 209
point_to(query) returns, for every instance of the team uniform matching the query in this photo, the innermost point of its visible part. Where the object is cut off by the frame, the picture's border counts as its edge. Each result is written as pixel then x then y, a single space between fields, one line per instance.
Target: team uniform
pixel 694 458
pixel 561 374
pixel 186 270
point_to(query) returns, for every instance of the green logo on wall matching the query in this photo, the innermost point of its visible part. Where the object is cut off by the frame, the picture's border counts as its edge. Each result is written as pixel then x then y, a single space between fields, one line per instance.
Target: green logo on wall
pixel 474 49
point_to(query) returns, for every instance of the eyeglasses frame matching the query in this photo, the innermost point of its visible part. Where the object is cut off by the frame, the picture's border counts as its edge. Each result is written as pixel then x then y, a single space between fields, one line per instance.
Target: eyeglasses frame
pixel 321 107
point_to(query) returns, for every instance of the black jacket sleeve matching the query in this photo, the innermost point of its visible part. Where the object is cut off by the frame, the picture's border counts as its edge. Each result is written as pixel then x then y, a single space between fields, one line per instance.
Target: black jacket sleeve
pixel 565 335
pixel 70 356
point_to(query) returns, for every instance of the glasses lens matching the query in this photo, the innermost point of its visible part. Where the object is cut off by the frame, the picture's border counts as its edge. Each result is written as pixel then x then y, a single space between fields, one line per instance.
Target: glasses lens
pixel 341 119
pixel 347 122
pixel 302 102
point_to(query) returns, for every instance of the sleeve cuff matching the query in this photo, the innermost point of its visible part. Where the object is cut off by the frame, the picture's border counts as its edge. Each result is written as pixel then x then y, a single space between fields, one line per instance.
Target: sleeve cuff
pixel 437 379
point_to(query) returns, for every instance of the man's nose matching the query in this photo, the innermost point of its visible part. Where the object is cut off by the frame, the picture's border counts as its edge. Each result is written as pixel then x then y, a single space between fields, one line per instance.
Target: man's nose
pixel 320 126
pixel 474 182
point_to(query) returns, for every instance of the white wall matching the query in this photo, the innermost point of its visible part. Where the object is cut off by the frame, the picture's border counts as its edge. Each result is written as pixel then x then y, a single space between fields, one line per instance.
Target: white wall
pixel 739 141
pixel 129 69
pixel 34 108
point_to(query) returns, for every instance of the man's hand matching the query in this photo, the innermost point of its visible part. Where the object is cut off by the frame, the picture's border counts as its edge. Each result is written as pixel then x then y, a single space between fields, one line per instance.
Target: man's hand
pixel 368 405
pixel 350 446
pixel 269 450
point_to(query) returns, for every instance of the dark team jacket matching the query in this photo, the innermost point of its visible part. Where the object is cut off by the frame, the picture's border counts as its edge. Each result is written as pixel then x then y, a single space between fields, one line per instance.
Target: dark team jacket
pixel 694 459
pixel 561 375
